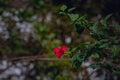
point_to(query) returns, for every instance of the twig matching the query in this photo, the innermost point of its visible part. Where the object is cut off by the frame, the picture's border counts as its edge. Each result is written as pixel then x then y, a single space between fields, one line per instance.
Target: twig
pixel 91 74
pixel 34 58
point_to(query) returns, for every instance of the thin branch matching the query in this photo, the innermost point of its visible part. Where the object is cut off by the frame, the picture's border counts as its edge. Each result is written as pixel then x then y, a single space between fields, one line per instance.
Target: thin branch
pixel 91 74
pixel 34 58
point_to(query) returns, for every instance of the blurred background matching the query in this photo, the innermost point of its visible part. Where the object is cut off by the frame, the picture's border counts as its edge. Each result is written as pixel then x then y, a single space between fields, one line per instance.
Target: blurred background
pixel 34 28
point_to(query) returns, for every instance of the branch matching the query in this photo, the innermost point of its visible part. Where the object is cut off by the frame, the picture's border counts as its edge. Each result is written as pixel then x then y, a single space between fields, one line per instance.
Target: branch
pixel 88 76
pixel 34 58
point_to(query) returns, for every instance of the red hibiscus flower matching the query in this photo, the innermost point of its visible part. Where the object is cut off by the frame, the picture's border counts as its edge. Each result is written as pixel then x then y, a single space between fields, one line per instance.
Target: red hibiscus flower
pixel 60 51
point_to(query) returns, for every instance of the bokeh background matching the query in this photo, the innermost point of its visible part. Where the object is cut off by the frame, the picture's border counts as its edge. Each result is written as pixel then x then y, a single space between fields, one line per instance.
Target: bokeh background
pixel 34 28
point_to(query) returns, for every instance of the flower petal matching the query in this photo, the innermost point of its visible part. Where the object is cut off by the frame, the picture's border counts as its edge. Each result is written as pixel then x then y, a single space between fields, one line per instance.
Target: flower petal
pixel 63 48
pixel 59 54
pixel 56 50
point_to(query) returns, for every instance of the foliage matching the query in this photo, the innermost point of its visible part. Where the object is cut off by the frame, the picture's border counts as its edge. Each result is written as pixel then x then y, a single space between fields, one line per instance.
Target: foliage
pixel 104 51
pixel 33 28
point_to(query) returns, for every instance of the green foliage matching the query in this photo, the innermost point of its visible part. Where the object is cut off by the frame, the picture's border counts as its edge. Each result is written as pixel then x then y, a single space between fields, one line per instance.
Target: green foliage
pixel 78 59
pixel 96 40
pixel 105 45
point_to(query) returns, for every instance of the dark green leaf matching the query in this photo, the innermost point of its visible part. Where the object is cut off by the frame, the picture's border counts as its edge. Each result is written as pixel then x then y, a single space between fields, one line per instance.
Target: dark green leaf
pixel 77 59
pixel 95 36
pixel 79 28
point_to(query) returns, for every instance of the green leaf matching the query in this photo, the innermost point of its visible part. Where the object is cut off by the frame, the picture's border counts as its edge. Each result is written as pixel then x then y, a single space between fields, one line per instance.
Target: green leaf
pixel 79 28
pixel 74 49
pixel 73 17
pixel 105 45
pixel 108 65
pixel 104 21
pixel 71 9
pixel 116 69
pixel 88 54
pixel 63 7
pixel 107 17
pixel 77 59
pixel 103 31
pixel 62 13
pixel 94 28
pixel 116 51
pixel 95 36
